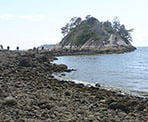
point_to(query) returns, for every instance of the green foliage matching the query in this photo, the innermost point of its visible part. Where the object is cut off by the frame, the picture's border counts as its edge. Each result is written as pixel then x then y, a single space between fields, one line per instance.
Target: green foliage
pixel 83 33
pixel 116 25
pixel 97 36
pixel 78 32
pixel 74 22
pixel 109 29
pixel 91 20
pixel 82 38
pixel 121 30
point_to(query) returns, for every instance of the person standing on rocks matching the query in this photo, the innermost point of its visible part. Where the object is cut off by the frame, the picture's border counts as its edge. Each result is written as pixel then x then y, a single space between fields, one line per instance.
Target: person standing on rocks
pixel 1 46
pixel 8 48
pixel 42 48
pixel 17 48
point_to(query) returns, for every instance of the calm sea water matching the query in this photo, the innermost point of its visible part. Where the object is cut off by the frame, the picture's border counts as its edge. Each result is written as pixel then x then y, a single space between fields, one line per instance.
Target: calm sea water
pixel 127 70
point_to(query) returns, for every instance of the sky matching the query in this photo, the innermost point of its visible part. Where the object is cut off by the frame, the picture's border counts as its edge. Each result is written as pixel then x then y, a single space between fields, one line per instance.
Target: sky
pixel 30 23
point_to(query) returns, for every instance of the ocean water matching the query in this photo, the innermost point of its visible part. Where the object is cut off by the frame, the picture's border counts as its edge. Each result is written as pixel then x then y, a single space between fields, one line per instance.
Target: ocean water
pixel 127 70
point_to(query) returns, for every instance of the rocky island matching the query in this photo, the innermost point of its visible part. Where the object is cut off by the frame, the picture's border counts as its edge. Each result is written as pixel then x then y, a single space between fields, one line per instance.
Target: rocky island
pixel 30 93
pixel 92 36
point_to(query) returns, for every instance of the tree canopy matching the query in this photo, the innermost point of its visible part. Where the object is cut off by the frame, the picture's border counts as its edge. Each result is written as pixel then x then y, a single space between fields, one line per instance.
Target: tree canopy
pixel 121 30
pixel 75 21
pixel 110 27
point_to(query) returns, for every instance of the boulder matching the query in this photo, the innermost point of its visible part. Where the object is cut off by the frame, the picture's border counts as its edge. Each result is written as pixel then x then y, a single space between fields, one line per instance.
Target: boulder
pixel 10 101
pixel 25 62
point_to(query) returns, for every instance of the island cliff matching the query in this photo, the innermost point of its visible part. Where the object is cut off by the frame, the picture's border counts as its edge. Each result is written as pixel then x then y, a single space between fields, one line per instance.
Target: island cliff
pixel 91 35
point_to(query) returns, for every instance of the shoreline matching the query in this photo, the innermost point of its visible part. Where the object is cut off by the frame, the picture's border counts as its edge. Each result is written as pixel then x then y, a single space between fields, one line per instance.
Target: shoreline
pixel 118 90
pixel 72 52
pixel 30 92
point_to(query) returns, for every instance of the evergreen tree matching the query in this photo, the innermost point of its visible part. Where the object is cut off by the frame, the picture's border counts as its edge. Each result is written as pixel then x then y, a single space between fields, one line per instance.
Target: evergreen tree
pixel 75 21
pixel 121 30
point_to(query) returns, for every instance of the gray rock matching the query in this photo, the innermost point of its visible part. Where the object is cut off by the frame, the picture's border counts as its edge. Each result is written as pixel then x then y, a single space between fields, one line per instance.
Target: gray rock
pixel 10 101
pixel 118 105
pixel 25 62
pixel 97 85
pixel 67 93
pixel 63 67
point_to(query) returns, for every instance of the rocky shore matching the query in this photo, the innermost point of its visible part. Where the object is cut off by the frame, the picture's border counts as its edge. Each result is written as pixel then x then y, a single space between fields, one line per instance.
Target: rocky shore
pixel 69 52
pixel 30 93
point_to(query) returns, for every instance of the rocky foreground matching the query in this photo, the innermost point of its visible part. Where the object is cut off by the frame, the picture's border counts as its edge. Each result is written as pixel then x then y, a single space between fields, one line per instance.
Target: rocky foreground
pixel 29 93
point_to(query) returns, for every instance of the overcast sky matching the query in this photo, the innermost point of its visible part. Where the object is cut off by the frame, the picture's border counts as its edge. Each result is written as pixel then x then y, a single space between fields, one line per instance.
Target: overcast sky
pixel 29 23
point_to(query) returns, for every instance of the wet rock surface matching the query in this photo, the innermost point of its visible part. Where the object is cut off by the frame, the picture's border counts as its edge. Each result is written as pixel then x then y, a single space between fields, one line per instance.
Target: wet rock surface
pixel 29 92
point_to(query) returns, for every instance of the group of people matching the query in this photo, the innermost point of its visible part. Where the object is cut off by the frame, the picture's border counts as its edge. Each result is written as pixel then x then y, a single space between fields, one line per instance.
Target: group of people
pixel 8 48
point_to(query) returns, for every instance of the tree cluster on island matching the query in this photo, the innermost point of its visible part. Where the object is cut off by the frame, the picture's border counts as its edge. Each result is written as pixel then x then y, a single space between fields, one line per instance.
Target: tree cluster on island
pixel 114 27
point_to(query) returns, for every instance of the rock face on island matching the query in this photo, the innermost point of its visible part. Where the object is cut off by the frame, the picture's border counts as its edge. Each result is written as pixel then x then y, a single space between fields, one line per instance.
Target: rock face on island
pixel 93 35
